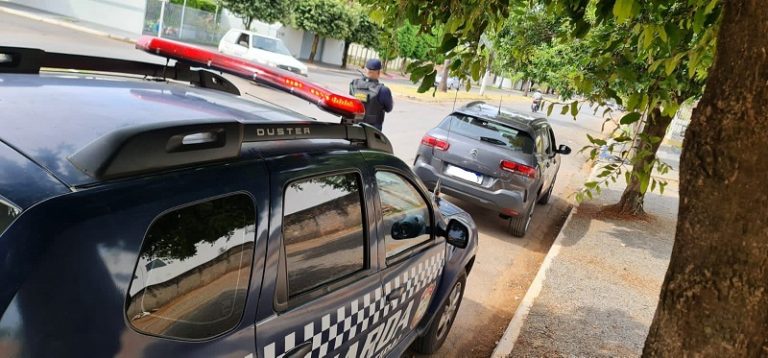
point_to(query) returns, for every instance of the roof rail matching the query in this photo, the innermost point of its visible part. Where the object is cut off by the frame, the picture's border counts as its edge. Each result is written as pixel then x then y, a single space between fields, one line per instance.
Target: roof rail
pixel 160 146
pixel 474 103
pixel 29 60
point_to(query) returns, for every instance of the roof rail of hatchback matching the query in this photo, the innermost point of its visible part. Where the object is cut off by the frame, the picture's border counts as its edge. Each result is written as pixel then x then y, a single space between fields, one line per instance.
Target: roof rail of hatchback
pixel 31 60
pixel 474 103
pixel 161 146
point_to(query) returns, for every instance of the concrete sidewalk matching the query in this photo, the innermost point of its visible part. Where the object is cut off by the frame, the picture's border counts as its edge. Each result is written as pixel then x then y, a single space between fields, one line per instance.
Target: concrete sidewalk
pixel 596 292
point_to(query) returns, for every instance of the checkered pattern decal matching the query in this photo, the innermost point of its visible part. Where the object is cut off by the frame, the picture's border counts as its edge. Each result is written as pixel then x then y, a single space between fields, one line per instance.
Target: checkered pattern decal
pixel 335 329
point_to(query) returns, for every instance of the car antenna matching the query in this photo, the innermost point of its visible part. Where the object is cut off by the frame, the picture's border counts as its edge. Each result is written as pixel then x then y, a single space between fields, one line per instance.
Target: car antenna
pixel 455 97
pixel 500 97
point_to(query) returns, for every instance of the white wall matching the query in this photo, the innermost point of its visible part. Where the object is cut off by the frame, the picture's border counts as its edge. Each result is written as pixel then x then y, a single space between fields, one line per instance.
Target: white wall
pixel 333 52
pixel 126 15
pixel 292 39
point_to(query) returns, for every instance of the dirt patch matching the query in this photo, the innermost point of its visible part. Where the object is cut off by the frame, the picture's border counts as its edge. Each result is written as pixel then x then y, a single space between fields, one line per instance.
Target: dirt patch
pixel 499 286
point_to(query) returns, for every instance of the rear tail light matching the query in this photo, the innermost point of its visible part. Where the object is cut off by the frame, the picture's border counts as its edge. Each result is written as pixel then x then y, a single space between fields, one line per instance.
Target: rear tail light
pixel 517 168
pixel 440 144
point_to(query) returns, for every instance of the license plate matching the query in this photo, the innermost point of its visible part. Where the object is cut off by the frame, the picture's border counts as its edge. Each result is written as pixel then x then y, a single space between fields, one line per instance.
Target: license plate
pixel 463 174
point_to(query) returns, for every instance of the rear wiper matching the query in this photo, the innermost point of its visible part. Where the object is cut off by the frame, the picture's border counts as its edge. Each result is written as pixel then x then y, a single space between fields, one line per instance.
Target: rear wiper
pixel 492 141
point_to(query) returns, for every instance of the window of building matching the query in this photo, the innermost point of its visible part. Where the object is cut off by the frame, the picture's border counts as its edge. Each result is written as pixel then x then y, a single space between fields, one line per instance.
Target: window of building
pixel 194 268
pixel 323 231
pixel 401 204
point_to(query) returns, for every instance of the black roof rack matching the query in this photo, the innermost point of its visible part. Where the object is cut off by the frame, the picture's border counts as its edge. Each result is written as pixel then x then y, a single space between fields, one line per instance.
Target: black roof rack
pixel 159 146
pixel 29 60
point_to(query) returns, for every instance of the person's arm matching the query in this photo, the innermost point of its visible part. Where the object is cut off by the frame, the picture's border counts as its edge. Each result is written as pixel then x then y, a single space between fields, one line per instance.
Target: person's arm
pixel 385 98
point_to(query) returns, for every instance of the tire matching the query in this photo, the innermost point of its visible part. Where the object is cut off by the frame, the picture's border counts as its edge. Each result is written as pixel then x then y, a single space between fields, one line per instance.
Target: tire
pixel 435 335
pixel 518 225
pixel 544 200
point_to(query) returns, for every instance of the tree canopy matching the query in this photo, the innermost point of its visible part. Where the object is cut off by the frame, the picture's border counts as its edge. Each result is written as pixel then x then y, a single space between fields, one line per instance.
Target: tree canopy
pixel 269 11
pixel 326 18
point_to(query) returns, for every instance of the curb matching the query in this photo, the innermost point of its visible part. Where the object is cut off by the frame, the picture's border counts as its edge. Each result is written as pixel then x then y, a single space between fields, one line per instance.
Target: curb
pixel 66 24
pixel 507 342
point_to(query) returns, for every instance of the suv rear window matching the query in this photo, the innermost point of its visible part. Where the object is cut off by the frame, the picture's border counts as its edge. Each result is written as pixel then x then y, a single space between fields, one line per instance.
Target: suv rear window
pixel 492 132
pixel 193 272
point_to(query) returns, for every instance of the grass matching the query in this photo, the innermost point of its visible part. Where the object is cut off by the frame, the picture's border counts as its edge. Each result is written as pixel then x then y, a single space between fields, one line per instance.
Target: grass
pixel 462 95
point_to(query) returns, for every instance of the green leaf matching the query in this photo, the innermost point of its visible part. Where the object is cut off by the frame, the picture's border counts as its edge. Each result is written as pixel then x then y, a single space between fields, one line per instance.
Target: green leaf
pixel 591 184
pixel 449 43
pixel 574 109
pixel 648 35
pixel 455 64
pixel 653 185
pixel 564 110
pixel 581 28
pixel 630 118
pixel 550 108
pixel 662 185
pixel 624 9
pixel 662 33
pixel 633 101
pixel 596 141
pixel 427 82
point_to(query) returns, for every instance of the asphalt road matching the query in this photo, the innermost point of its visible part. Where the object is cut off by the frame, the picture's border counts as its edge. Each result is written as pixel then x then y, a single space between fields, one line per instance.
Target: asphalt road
pixel 505 265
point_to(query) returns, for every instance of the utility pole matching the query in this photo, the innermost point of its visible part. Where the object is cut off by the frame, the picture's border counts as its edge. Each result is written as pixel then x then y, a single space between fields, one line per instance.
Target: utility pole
pixel 181 26
pixel 160 21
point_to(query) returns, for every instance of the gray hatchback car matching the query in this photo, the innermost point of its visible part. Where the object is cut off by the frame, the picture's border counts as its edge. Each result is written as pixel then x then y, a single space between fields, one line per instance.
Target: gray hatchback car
pixel 502 160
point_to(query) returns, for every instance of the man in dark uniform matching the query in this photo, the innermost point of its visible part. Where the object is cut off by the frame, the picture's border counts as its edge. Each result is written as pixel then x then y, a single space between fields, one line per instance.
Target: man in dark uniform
pixel 376 97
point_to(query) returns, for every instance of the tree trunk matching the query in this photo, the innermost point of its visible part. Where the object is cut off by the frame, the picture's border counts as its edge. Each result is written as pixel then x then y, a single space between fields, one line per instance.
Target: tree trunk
pixel 312 53
pixel 443 85
pixel 714 300
pixel 344 55
pixel 384 65
pixel 404 66
pixel 631 202
pixel 247 22
pixel 528 85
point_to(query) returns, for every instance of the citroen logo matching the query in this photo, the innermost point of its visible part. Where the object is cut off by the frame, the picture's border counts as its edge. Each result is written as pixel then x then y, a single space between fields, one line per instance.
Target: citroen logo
pixel 473 153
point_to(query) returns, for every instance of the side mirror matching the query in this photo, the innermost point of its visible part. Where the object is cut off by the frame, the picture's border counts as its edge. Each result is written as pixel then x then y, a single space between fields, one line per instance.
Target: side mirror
pixel 457 234
pixel 564 149
pixel 409 227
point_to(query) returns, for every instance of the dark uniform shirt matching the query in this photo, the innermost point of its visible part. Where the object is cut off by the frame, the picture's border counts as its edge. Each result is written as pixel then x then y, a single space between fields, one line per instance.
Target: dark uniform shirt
pixel 376 97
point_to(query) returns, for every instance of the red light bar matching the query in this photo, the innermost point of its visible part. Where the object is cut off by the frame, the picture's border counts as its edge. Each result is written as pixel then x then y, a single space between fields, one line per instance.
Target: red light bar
pixel 347 107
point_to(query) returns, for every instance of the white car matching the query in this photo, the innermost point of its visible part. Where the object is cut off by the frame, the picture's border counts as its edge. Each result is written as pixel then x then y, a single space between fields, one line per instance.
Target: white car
pixel 261 49
pixel 452 83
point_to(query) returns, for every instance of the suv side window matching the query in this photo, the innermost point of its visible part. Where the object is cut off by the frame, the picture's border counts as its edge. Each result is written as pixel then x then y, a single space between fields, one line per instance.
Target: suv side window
pixel 544 134
pixel 401 202
pixel 552 141
pixel 192 277
pixel 244 40
pixel 323 231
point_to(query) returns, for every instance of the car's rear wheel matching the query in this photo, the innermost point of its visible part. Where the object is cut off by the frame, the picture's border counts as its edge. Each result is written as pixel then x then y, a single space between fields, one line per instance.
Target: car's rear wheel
pixel 518 225
pixel 438 330
pixel 545 198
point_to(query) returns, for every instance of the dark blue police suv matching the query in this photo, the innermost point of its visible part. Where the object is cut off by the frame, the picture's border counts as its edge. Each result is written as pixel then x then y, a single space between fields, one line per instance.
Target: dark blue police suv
pixel 147 210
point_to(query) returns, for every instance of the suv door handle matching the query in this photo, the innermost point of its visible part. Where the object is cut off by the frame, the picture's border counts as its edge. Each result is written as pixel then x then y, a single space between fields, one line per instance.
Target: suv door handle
pixel 396 293
pixel 300 351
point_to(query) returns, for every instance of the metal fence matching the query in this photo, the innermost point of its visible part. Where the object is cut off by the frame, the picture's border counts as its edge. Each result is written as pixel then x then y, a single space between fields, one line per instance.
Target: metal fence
pixel 183 23
pixel 357 55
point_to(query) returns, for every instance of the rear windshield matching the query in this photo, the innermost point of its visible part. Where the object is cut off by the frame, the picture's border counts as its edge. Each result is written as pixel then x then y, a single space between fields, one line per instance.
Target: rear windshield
pixel 271 45
pixel 492 133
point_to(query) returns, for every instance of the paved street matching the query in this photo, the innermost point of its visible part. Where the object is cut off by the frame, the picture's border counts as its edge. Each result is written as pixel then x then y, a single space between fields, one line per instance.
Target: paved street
pixel 505 265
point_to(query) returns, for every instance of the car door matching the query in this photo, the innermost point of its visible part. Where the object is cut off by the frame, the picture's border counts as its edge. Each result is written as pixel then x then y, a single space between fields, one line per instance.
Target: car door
pixel 323 293
pixel 542 154
pixel 412 257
